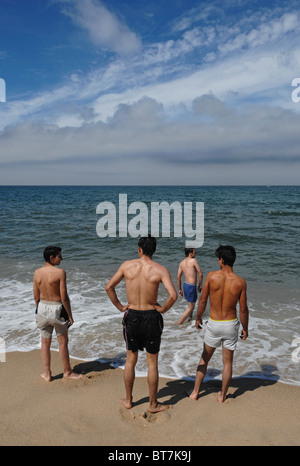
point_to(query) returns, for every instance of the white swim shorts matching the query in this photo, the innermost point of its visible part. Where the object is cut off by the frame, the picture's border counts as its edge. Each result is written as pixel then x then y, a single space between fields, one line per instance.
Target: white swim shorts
pixel 223 332
pixel 49 316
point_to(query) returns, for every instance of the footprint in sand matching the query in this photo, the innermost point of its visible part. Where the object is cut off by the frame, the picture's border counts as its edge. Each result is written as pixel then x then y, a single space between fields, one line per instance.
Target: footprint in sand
pixel 127 414
pixel 161 416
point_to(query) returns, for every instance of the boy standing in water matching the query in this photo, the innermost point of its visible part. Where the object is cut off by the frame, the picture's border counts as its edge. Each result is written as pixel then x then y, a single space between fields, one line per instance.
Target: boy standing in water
pixel 53 310
pixel 190 268
pixel 224 289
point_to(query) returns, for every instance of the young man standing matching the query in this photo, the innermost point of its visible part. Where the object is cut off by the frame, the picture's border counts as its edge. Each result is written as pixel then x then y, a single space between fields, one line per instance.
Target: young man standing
pixel 224 289
pixel 190 268
pixel 53 310
pixel 143 322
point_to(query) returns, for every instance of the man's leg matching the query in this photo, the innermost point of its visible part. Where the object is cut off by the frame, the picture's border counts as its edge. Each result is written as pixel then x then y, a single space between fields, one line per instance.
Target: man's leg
pixel 188 313
pixel 129 376
pixel 207 353
pixel 152 362
pixel 65 358
pixel 46 358
pixel 227 373
pixel 191 308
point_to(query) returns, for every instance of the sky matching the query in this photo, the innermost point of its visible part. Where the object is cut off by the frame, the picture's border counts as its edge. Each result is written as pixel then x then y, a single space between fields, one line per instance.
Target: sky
pixel 162 92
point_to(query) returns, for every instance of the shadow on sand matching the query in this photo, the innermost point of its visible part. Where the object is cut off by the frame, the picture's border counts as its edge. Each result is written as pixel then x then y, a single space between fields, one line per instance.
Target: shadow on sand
pixel 176 390
pixel 97 365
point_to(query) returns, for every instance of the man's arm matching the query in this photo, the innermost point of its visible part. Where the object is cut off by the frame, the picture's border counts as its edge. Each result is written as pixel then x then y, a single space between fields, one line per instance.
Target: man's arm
pixel 172 295
pixel 202 303
pixel 244 312
pixel 110 289
pixel 36 290
pixel 179 273
pixel 64 295
pixel 199 271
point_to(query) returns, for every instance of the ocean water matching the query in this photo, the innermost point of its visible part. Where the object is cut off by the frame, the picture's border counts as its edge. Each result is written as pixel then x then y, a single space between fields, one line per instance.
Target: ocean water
pixel 262 223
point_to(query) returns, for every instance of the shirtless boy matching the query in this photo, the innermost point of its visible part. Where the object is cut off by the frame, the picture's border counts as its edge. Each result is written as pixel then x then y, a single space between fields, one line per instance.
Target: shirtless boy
pixel 224 289
pixel 143 321
pixel 51 299
pixel 190 268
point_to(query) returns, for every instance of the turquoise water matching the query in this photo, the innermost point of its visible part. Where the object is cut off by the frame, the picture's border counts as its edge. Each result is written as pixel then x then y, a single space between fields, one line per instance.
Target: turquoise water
pixel 262 223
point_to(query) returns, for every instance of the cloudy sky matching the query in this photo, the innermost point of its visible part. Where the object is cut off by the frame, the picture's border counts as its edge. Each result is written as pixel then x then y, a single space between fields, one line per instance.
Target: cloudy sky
pixel 120 92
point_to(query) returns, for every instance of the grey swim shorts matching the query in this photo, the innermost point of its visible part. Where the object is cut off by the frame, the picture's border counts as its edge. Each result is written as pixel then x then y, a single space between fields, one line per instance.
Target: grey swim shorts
pixel 49 316
pixel 223 332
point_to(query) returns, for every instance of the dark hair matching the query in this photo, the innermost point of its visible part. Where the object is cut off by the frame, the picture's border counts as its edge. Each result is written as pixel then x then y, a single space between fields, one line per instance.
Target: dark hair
pixel 188 250
pixel 227 253
pixel 148 245
pixel 51 251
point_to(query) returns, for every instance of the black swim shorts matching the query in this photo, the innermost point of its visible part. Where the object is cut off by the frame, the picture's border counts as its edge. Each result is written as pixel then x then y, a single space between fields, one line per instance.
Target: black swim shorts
pixel 143 329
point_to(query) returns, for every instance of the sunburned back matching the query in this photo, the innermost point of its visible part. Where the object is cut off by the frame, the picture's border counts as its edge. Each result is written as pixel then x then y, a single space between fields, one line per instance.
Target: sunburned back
pixel 225 291
pixel 48 282
pixel 142 282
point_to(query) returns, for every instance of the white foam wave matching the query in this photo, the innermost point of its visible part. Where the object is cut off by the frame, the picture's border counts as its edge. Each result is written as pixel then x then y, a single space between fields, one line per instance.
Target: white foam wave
pixel 97 334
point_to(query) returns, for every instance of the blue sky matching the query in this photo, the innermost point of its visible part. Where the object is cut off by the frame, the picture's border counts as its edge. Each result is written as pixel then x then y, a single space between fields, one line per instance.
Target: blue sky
pixel 157 92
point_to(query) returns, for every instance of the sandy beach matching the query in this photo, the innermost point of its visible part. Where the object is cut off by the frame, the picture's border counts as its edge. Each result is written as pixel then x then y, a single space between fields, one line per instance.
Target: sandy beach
pixel 88 412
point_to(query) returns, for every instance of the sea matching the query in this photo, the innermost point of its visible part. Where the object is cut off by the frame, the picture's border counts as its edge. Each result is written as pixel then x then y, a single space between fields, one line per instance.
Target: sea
pixel 261 222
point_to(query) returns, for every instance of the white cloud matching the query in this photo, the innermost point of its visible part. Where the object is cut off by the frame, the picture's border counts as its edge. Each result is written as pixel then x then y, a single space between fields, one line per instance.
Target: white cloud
pixel 215 134
pixel 264 34
pixel 234 110
pixel 103 27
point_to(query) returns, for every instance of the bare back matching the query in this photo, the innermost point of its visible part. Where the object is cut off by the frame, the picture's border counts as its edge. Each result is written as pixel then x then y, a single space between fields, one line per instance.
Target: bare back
pixel 142 279
pixel 49 283
pixel 189 268
pixel 225 289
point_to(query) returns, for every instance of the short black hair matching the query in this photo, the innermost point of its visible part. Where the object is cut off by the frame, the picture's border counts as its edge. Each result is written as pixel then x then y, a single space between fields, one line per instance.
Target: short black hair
pixel 51 251
pixel 227 253
pixel 188 250
pixel 148 245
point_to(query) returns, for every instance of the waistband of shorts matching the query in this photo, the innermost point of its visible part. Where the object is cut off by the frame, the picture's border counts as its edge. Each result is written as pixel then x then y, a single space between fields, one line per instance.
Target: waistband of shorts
pixel 56 303
pixel 225 321
pixel 142 312
pixel 191 284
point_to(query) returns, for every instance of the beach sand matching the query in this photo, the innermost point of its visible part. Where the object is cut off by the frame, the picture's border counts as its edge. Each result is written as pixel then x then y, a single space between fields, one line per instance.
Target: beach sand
pixel 88 412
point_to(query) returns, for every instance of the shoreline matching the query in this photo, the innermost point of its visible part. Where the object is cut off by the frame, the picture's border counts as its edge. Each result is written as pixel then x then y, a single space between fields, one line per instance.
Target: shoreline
pixel 88 412
pixel 140 374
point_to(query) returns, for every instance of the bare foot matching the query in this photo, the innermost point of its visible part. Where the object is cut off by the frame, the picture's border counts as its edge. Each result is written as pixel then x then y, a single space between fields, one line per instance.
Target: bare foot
pixel 221 397
pixel 73 376
pixel 159 407
pixel 46 377
pixel 127 404
pixel 192 396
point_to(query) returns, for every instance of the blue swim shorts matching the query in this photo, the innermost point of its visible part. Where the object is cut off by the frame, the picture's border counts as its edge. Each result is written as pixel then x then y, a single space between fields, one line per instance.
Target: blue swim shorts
pixel 190 292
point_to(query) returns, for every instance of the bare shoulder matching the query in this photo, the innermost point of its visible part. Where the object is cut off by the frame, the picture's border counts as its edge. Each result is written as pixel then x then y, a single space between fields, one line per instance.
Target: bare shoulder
pixel 129 263
pixel 241 281
pixel 37 272
pixel 129 267
pixel 162 270
pixel 213 275
pixel 194 262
